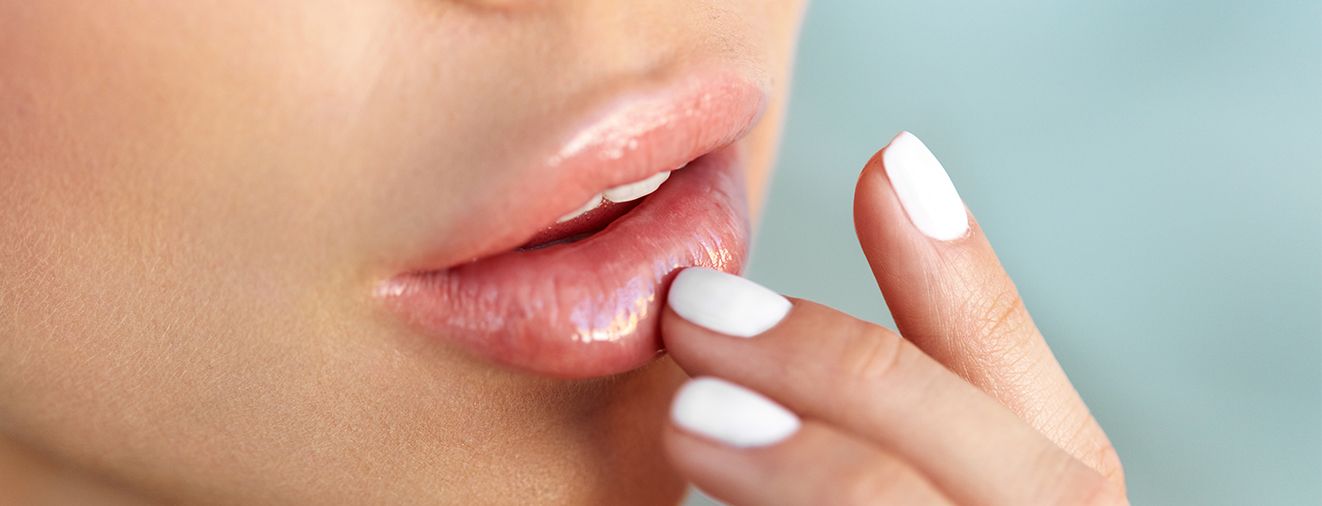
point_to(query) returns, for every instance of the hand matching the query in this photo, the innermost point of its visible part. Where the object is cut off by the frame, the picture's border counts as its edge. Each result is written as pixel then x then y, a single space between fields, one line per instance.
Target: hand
pixel 796 403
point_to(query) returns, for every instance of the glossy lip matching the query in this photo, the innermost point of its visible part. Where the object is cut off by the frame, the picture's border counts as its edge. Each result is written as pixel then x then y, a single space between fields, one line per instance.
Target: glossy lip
pixel 589 308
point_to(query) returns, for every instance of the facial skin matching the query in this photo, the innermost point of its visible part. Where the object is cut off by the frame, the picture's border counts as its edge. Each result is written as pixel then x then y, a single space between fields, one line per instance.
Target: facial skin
pixel 198 197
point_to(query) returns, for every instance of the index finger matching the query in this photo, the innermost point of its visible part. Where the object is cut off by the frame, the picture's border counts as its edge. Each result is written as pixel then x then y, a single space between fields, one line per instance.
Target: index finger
pixel 950 296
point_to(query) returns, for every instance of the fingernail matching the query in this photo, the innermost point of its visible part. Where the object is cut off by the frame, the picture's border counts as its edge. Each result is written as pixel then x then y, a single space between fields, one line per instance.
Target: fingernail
pixel 924 189
pixel 731 414
pixel 726 303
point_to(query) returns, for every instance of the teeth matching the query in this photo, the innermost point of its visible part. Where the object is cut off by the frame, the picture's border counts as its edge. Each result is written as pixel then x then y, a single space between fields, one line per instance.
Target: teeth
pixel 622 193
pixel 636 190
pixel 591 204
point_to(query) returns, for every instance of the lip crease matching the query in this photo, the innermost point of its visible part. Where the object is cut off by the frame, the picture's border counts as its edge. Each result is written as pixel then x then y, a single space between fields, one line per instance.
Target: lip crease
pixel 590 307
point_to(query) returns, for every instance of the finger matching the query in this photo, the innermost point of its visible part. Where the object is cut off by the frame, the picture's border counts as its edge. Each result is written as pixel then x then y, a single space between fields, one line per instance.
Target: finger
pixel 950 296
pixel 827 366
pixel 739 447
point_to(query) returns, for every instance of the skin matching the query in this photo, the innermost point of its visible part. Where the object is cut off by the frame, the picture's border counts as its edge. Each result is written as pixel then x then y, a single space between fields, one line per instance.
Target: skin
pixel 965 405
pixel 200 195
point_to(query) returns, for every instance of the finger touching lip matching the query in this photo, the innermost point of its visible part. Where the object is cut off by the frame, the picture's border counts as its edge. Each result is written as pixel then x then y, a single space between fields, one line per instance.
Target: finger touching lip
pixel 581 297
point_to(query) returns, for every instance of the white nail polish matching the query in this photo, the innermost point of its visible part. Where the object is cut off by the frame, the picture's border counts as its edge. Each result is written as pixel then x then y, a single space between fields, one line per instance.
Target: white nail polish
pixel 726 303
pixel 924 189
pixel 731 414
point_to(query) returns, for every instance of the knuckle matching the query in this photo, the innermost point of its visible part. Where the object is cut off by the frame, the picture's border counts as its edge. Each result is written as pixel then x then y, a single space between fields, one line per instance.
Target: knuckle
pixel 870 354
pixel 1001 320
pixel 1000 336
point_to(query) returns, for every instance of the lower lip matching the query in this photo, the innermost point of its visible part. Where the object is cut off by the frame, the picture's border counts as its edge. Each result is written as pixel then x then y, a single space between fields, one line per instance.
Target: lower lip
pixel 591 307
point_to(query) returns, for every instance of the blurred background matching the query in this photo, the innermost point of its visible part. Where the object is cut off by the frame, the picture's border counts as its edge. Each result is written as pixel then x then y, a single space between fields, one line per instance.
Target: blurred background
pixel 1151 175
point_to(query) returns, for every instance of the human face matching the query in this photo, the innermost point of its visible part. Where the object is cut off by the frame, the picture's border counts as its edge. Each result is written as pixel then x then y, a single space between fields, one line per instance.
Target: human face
pixel 221 219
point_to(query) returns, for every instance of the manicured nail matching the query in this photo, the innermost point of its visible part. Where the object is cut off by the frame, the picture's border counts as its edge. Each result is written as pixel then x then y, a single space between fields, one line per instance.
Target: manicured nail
pixel 726 303
pixel 924 189
pixel 731 414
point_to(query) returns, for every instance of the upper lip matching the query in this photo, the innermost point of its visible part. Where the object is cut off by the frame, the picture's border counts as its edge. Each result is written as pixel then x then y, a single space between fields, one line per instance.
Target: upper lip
pixel 590 307
pixel 629 138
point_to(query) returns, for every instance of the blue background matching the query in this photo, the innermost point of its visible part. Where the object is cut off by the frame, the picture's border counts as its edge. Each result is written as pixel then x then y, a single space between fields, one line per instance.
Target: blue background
pixel 1151 175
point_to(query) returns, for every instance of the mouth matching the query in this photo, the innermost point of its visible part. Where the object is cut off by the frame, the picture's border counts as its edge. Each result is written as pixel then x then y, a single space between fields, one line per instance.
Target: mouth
pixel 574 284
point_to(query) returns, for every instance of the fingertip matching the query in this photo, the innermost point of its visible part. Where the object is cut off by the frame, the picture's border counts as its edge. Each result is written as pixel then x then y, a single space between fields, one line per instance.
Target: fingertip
pixel 880 223
pixel 725 303
pixel 731 414
pixel 717 471
pixel 876 165
pixel 874 171
pixel 867 193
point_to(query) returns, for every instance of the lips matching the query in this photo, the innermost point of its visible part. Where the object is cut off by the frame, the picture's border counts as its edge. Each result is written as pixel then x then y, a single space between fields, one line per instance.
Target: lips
pixel 581 297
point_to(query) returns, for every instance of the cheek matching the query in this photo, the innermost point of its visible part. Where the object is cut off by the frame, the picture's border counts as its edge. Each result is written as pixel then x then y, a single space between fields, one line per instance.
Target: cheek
pixel 187 236
pixel 778 34
pixel 177 279
pixel 186 246
pixel 156 190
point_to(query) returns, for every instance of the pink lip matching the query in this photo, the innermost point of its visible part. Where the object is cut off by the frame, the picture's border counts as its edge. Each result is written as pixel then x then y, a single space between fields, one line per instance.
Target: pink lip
pixel 590 307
